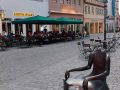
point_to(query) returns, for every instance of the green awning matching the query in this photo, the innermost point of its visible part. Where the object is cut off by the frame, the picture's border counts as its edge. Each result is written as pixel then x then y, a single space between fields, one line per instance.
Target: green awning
pixel 35 20
pixel 47 20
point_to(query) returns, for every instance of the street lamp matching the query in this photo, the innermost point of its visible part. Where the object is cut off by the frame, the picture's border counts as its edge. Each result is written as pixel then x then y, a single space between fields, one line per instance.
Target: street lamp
pixel 105 13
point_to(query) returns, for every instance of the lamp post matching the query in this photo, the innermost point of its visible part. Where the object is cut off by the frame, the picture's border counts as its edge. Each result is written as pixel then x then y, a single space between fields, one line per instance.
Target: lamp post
pixel 105 13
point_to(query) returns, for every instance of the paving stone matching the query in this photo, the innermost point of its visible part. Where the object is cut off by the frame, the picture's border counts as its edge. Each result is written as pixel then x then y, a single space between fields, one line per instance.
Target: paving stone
pixel 43 68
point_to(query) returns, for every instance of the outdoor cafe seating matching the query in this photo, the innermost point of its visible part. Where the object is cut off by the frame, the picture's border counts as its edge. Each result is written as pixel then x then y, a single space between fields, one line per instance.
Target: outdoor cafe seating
pixel 84 48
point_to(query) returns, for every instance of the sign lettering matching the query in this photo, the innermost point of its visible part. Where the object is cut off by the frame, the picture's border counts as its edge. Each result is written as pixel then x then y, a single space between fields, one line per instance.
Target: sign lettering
pixel 20 14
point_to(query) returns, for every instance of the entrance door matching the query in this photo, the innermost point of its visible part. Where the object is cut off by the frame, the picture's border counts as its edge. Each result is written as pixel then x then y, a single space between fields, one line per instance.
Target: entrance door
pixel 96 28
pixel 91 28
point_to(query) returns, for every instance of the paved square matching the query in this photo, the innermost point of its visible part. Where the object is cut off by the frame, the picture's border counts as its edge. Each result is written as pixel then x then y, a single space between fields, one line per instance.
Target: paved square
pixel 43 68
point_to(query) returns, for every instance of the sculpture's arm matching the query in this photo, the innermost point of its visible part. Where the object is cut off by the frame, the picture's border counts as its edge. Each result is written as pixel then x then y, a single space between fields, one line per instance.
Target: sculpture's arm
pixel 97 77
pixel 88 66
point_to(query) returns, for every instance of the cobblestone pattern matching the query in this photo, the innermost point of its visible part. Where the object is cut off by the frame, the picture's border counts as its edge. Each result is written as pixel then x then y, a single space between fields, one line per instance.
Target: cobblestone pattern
pixel 43 68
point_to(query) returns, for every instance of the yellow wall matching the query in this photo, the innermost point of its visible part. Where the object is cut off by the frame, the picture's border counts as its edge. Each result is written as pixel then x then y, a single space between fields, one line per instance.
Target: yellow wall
pixel 96 26
pixel 94 16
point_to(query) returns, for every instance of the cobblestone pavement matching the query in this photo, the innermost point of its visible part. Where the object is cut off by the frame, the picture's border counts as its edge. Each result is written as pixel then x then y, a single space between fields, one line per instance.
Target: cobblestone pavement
pixel 43 68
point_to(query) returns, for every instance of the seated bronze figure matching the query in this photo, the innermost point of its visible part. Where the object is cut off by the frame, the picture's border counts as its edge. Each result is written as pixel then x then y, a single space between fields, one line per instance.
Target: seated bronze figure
pixel 95 80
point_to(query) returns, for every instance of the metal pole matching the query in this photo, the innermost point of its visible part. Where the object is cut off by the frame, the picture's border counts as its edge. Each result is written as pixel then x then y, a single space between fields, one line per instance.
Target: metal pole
pixel 114 19
pixel 104 44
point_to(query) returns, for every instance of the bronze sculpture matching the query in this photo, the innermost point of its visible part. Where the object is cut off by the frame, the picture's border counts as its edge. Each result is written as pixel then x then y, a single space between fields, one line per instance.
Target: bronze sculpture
pixel 101 69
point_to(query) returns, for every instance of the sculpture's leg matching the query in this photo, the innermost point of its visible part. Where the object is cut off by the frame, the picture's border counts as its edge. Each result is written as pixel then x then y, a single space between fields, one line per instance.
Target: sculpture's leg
pixel 66 86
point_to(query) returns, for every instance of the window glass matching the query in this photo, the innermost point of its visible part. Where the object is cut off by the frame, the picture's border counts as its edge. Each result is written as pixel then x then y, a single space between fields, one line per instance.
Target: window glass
pixel 88 9
pixel 68 1
pixel 74 1
pixel 85 9
pixel 79 2
pixel 92 10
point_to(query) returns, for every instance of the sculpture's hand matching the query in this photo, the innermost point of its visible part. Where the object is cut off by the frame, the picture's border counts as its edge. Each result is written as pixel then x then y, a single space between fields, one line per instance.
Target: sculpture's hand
pixel 67 75
pixel 85 84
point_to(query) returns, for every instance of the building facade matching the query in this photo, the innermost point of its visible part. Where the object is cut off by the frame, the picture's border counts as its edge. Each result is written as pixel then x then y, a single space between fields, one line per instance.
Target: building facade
pixel 94 16
pixel 18 9
pixel 1 17
pixel 117 21
pixel 68 9
pixel 112 14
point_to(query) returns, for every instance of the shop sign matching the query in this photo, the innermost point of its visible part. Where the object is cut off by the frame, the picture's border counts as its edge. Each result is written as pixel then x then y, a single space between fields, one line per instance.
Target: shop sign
pixel 20 14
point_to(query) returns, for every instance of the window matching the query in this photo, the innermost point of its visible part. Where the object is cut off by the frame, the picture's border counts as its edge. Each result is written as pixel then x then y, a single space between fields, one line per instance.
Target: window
pixel 96 11
pixel 68 1
pixel 79 2
pixel 102 11
pixel 99 11
pixel 85 9
pixel 74 1
pixel 88 9
pixel 92 10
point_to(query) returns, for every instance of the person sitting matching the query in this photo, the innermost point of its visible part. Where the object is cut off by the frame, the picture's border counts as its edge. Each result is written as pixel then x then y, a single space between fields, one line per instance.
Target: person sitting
pixel 29 38
pixel 96 80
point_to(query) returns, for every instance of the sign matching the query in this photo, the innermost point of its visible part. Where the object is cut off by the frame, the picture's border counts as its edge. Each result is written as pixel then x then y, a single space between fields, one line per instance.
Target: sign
pixel 20 14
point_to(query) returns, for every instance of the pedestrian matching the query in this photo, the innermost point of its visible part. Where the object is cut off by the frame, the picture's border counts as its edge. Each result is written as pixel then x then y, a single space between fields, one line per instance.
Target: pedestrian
pixel 29 38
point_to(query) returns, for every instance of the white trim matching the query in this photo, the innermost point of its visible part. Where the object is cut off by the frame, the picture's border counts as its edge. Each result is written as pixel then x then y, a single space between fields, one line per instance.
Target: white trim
pixel 24 29
pixel 0 26
pixel 13 28
pixel 34 28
